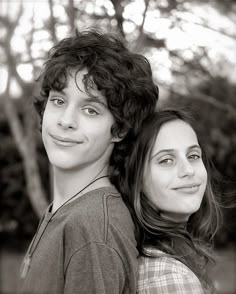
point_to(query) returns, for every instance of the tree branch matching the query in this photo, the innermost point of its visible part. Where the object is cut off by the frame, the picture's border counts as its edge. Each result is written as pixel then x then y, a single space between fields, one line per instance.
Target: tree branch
pixel 119 15
pixel 52 22
pixel 139 41
pixel 70 10
pixel 198 96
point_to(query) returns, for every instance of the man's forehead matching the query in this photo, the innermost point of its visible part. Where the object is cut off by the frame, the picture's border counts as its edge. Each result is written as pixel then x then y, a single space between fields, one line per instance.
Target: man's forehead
pixel 84 85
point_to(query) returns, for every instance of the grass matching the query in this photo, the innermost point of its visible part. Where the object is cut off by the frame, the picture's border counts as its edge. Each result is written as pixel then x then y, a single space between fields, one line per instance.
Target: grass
pixel 223 273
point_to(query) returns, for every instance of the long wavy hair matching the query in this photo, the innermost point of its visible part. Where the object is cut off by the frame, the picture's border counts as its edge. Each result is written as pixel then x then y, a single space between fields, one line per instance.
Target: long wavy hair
pixel 123 77
pixel 189 243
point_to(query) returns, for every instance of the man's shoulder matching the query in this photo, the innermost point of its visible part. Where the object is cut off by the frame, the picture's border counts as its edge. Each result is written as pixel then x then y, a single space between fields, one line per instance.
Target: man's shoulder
pixel 97 211
pixel 101 219
pixel 96 203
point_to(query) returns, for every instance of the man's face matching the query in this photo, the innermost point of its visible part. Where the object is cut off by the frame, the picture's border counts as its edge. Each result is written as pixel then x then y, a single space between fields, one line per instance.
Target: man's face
pixel 76 128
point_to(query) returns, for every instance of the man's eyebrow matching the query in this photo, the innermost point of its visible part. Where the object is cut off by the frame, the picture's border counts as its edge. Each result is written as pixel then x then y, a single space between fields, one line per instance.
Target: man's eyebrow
pixel 95 100
pixel 58 91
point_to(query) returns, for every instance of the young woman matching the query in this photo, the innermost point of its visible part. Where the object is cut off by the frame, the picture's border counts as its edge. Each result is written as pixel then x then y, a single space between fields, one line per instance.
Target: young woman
pixel 168 190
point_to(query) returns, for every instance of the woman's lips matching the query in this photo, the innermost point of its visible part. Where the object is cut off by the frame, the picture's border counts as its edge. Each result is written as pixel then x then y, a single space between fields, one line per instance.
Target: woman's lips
pixel 190 188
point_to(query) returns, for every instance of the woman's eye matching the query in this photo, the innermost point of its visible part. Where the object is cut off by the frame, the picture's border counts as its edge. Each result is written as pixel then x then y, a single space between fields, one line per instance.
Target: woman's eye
pixel 91 111
pixel 166 161
pixel 193 157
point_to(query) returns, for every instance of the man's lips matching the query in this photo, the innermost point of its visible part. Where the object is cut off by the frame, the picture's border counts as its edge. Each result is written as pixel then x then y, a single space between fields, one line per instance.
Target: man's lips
pixel 65 140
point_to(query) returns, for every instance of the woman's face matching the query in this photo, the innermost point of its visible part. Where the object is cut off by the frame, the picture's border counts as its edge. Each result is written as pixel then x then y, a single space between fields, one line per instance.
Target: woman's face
pixel 175 178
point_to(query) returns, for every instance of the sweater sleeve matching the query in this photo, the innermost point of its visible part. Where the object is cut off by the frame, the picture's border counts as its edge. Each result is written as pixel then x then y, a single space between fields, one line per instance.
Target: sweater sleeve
pixel 172 283
pixel 166 275
pixel 96 268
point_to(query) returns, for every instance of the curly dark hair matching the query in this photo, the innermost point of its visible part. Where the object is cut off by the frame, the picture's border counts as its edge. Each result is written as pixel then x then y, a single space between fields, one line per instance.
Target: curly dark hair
pixel 124 78
pixel 189 243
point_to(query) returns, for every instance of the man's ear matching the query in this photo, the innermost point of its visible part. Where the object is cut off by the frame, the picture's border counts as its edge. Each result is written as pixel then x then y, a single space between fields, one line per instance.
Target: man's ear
pixel 119 138
pixel 116 139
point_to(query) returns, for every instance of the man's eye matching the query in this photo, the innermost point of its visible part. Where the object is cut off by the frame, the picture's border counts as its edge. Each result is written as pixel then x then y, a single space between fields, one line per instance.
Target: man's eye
pixel 91 111
pixel 57 101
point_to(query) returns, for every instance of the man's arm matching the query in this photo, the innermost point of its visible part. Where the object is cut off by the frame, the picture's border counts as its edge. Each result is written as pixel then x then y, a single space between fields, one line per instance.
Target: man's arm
pixel 96 268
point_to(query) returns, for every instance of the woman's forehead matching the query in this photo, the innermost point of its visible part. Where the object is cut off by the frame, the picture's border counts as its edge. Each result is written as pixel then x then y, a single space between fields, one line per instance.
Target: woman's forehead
pixel 174 135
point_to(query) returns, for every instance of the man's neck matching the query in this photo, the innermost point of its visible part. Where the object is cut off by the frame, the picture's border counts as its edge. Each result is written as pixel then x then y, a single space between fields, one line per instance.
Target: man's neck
pixel 68 183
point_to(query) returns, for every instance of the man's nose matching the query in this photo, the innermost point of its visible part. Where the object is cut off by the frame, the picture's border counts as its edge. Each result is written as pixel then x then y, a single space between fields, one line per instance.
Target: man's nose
pixel 68 119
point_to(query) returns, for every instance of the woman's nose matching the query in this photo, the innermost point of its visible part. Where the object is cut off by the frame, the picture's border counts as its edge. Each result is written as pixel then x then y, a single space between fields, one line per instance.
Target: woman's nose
pixel 186 169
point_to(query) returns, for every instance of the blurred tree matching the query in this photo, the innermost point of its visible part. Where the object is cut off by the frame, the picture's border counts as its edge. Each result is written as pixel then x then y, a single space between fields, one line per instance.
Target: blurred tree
pixel 216 123
pixel 17 218
pixel 22 129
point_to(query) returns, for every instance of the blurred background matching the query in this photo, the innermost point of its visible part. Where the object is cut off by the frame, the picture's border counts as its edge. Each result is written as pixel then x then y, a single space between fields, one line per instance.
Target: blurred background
pixel 191 46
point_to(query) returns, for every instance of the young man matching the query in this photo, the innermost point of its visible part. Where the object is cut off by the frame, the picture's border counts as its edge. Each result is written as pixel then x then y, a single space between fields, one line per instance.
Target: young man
pixel 94 96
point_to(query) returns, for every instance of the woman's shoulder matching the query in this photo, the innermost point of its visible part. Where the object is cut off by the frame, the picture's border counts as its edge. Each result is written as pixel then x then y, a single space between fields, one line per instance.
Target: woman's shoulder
pixel 165 274
pixel 163 262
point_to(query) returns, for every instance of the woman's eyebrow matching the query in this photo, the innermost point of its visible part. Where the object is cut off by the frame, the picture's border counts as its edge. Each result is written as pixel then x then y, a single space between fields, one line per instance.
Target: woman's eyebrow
pixel 171 151
pixel 162 151
pixel 194 146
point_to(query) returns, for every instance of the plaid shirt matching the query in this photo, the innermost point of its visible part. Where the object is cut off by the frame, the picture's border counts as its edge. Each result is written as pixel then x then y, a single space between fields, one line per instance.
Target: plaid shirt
pixel 166 275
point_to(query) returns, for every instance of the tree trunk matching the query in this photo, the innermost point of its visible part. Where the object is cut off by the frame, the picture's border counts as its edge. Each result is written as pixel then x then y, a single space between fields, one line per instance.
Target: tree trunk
pixel 34 186
pixel 27 149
